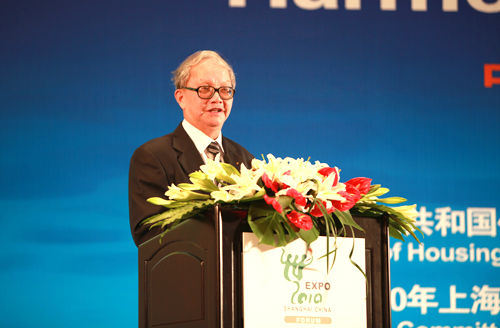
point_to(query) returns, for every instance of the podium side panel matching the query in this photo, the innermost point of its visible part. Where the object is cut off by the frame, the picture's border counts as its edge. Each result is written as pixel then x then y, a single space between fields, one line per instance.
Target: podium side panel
pixel 377 270
pixel 178 278
pixel 176 283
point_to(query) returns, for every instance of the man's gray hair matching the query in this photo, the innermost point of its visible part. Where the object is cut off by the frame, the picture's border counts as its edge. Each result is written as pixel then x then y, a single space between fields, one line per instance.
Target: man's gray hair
pixel 181 74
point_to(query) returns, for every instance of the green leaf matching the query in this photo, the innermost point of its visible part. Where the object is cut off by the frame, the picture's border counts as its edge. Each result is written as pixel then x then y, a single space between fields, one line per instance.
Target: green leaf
pixel 346 219
pixel 292 235
pixel 374 188
pixel 404 223
pixel 267 224
pixel 156 218
pixel 259 195
pixel 394 233
pixel 354 263
pixel 260 209
pixel 177 214
pixel 285 201
pixel 396 219
pixel 310 235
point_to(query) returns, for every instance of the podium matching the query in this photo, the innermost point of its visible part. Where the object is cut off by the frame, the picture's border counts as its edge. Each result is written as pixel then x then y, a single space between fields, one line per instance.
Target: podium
pixel 193 278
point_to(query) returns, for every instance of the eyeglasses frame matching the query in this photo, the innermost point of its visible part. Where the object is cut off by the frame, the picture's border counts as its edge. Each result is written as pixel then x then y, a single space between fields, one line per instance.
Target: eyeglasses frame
pixel 215 90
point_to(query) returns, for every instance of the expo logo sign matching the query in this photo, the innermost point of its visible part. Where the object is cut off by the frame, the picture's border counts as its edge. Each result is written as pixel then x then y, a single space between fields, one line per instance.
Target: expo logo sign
pixel 386 5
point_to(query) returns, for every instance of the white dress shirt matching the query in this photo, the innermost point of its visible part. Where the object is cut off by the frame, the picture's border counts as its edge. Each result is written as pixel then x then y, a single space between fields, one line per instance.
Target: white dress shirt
pixel 200 139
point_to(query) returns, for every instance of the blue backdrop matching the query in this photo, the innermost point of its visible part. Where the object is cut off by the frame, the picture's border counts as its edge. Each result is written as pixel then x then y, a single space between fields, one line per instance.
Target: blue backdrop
pixel 394 90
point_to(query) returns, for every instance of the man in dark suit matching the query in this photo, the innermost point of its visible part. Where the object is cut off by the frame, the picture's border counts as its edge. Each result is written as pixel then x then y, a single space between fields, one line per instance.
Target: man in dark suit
pixel 204 90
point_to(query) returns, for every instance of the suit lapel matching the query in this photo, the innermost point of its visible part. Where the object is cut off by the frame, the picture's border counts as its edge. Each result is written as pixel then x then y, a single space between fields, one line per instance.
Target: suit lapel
pixel 188 156
pixel 231 155
pixel 190 159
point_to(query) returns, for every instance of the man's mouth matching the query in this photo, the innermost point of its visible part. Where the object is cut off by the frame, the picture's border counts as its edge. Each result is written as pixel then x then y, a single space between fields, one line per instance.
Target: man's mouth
pixel 215 110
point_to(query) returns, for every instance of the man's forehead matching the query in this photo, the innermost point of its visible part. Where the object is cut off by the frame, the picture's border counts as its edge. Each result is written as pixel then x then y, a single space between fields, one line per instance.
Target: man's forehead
pixel 207 69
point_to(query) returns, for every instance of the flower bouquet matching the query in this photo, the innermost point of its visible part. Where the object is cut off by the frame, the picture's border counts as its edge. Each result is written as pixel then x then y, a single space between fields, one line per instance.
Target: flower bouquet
pixel 286 199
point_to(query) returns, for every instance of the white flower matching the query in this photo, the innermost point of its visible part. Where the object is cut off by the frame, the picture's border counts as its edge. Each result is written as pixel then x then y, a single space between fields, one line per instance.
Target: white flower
pixel 326 191
pixel 408 211
pixel 212 168
pixel 246 183
pixel 222 195
pixel 179 194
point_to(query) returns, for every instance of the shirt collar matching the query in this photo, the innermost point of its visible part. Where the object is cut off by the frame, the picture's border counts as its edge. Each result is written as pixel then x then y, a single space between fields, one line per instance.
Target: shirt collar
pixel 200 139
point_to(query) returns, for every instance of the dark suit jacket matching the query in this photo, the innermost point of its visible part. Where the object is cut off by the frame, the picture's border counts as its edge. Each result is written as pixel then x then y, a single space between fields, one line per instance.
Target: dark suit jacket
pixel 162 161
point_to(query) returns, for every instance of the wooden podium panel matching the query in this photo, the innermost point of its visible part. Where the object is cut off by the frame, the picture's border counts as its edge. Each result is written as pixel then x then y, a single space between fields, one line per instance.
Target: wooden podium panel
pixel 193 278
pixel 378 298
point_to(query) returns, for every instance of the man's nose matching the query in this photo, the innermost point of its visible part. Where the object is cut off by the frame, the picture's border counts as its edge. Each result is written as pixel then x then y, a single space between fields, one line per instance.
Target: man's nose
pixel 216 97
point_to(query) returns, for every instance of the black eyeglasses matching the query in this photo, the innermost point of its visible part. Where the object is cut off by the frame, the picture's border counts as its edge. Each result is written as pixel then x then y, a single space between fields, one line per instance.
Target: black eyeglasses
pixel 207 92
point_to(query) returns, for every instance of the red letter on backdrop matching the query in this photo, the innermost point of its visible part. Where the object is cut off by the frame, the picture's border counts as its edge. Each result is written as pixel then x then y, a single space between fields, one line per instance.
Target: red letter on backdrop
pixel 489 80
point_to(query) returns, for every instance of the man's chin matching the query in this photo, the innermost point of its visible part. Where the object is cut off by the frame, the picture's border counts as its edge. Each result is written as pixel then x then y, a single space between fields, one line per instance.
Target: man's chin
pixel 216 123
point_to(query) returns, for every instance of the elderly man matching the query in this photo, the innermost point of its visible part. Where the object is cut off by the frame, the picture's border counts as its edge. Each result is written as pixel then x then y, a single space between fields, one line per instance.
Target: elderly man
pixel 204 91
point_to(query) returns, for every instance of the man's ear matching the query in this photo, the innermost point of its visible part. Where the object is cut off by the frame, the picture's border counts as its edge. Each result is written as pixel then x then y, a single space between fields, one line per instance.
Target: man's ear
pixel 179 96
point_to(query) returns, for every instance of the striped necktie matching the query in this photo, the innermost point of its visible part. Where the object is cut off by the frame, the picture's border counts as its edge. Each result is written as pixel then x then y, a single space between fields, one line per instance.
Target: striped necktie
pixel 212 150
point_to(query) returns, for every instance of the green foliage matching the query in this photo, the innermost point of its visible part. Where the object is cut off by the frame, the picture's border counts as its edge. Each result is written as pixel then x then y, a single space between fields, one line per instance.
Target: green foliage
pixel 181 213
pixel 267 224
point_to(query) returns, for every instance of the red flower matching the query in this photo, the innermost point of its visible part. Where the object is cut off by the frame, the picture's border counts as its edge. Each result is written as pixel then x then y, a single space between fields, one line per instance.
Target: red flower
pixel 326 171
pixel 316 211
pixel 353 191
pixel 344 206
pixel 300 220
pixel 273 185
pixel 274 202
pixel 299 198
pixel 362 184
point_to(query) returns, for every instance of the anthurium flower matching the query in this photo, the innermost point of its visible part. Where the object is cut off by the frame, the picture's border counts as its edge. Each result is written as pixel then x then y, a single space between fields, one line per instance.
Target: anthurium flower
pixel 327 205
pixel 274 202
pixel 362 184
pixel 353 191
pixel 327 171
pixel 273 185
pixel 299 198
pixel 300 220
pixel 345 205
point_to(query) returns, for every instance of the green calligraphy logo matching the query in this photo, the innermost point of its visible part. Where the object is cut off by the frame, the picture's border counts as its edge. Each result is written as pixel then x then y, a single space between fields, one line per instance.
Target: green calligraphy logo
pixel 295 267
pixel 293 272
